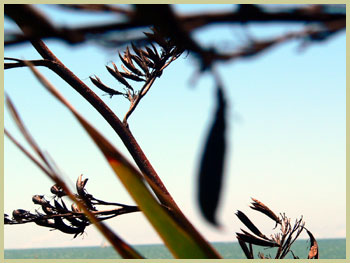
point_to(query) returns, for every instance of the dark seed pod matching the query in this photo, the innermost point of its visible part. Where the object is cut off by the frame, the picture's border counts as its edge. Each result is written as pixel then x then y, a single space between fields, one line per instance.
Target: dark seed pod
pixel 126 71
pixel 116 74
pixel 246 237
pixel 60 225
pixel 128 63
pixel 64 205
pixel 153 56
pixel 136 50
pixel 156 37
pixel 73 220
pixel 80 185
pixel 97 82
pixel 246 221
pixel 57 190
pixel 313 253
pixel 59 207
pixel 7 220
pixel 44 222
pixel 141 64
pixel 212 162
pixel 132 77
pixel 155 50
pixel 40 200
pixel 259 206
pixel 48 210
pixel 20 214
pixel 144 56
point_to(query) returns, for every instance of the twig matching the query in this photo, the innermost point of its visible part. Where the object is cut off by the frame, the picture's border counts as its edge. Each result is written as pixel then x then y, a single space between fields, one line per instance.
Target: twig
pixel 22 63
pixel 189 22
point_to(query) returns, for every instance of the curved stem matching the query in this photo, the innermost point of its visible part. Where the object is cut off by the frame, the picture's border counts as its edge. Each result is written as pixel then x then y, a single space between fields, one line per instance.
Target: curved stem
pixel 125 135
pixel 122 130
pixel 127 138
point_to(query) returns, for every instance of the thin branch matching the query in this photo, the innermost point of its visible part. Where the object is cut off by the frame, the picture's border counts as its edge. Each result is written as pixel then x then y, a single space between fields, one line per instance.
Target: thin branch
pixel 188 22
pixel 22 63
pixel 97 8
pixel 123 132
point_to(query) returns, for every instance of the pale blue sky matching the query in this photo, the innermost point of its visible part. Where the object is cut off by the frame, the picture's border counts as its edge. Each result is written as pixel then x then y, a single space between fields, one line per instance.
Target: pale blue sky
pixel 286 133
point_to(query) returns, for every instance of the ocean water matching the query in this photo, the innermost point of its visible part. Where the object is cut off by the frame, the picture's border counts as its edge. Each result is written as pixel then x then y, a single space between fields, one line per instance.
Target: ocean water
pixel 328 249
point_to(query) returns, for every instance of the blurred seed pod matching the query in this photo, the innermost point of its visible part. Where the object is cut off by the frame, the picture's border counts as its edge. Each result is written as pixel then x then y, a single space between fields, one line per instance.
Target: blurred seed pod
pixel 75 208
pixel 48 210
pixel 59 207
pixel 80 185
pixel 153 56
pixel 156 37
pixel 44 222
pixel 40 200
pixel 20 214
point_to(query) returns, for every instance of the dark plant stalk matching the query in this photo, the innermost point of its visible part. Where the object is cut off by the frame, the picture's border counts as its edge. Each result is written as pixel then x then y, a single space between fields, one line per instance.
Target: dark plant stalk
pixel 123 132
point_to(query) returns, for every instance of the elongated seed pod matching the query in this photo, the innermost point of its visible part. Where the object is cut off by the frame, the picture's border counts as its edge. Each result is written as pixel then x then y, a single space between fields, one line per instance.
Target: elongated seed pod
pixel 256 241
pixel 132 77
pixel 48 210
pixel 246 221
pixel 44 222
pixel 116 74
pixel 80 185
pixel 40 200
pixel 128 63
pixel 153 56
pixel 59 207
pixel 158 39
pixel 141 64
pixel 313 253
pixel 103 87
pixel 57 190
pixel 212 162
pixel 60 225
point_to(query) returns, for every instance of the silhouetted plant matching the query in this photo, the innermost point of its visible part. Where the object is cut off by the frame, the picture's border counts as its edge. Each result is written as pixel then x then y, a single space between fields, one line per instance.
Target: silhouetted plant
pixel 283 240
pixel 57 215
pixel 150 66
pixel 144 62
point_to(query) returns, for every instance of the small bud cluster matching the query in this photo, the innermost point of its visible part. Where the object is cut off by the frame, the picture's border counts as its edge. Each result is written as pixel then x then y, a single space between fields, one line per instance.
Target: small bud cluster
pixel 57 215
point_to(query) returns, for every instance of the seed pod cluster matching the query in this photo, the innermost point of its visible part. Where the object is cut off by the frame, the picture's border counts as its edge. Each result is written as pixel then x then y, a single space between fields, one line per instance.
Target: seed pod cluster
pixel 56 214
pixel 282 240
pixel 141 66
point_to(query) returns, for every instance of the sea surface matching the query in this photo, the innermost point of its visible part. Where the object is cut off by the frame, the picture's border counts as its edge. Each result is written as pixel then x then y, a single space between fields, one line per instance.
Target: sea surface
pixel 328 249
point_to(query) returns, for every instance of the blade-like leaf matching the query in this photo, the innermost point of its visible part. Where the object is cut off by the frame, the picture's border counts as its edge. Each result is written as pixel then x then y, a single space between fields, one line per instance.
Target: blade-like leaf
pixel 182 243
pixel 212 162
